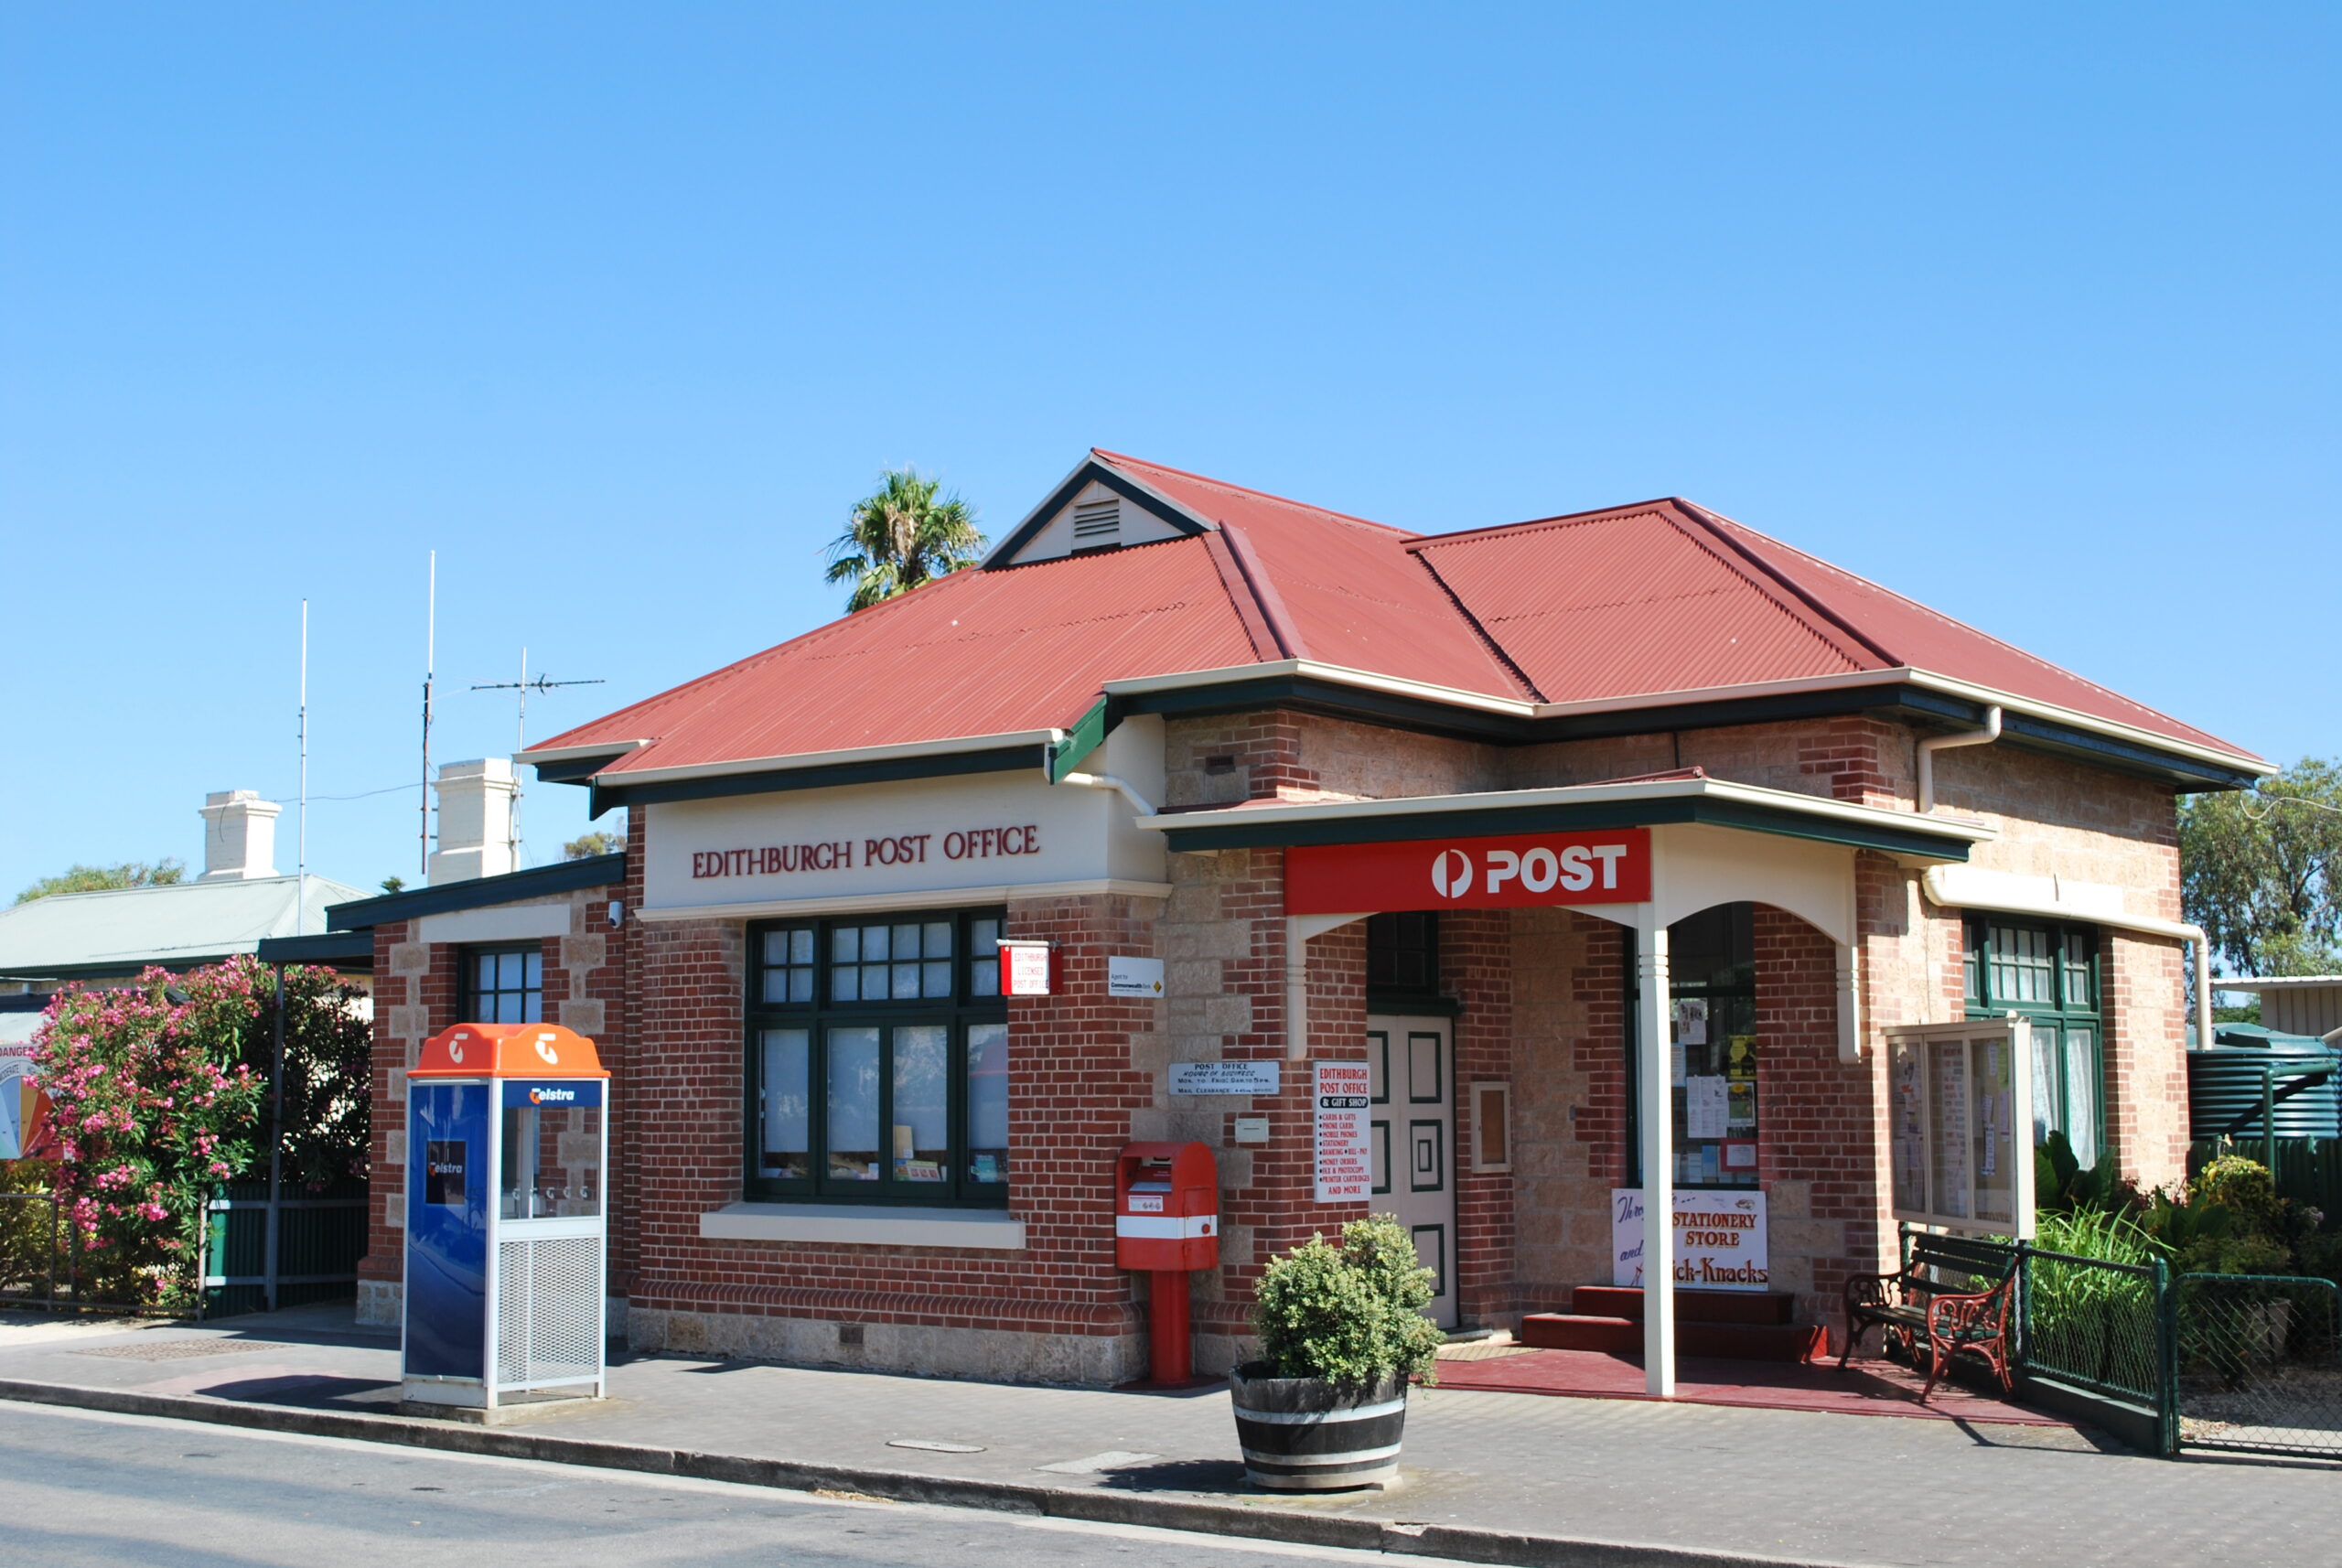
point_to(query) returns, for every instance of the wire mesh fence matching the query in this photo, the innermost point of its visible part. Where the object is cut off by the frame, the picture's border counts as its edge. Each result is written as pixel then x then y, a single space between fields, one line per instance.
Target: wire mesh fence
pixel 2093 1323
pixel 2259 1363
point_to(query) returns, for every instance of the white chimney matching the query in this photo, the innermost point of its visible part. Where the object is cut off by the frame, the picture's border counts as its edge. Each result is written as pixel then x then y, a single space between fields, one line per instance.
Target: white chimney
pixel 239 835
pixel 475 821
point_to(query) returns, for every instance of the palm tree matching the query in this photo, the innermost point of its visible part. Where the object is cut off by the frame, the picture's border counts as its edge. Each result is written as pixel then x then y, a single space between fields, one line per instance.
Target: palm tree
pixel 900 536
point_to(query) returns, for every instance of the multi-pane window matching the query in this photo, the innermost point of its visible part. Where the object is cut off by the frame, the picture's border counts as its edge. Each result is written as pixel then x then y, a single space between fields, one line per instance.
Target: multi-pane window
pixel 504 986
pixel 1402 954
pixel 2049 974
pixel 878 1060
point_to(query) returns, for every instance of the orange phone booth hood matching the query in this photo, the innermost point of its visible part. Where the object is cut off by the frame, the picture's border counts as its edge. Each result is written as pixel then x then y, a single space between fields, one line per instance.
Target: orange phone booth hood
pixel 509 1050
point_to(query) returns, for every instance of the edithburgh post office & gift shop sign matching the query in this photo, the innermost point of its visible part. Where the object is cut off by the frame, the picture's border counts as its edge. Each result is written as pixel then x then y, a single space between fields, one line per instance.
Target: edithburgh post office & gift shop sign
pixel 1719 1238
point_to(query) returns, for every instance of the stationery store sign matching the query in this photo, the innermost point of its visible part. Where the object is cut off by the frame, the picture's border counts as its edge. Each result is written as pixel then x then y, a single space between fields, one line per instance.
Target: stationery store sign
pixel 1720 1242
pixel 1516 872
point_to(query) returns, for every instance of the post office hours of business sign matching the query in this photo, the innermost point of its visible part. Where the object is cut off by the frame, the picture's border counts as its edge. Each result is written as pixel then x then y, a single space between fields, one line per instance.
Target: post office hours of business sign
pixel 1516 871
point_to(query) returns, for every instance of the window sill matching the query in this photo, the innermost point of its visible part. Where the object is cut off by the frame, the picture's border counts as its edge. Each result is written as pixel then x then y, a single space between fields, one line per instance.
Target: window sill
pixel 864 1225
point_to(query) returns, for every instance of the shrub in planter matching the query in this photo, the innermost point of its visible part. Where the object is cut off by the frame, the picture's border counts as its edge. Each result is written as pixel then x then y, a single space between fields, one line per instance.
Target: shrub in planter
pixel 1342 1332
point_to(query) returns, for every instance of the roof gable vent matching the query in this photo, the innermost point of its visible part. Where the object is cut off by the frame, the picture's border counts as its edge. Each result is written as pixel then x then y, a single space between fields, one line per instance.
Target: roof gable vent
pixel 1098 525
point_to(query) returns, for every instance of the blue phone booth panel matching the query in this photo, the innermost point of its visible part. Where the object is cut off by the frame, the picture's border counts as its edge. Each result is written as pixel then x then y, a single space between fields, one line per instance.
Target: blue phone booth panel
pixel 449 1187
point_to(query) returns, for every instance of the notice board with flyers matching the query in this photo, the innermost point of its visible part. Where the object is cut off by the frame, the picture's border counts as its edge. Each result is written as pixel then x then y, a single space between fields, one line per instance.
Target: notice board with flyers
pixel 1960 1125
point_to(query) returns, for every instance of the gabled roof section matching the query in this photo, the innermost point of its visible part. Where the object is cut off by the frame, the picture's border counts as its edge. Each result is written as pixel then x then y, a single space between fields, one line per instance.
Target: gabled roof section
pixel 1103 471
pixel 1350 593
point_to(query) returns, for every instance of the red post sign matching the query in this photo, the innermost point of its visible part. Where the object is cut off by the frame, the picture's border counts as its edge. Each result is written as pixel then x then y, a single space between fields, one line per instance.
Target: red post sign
pixel 1610 865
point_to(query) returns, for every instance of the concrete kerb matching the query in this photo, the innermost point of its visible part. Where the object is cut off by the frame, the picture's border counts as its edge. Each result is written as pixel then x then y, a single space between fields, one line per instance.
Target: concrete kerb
pixel 1454 1543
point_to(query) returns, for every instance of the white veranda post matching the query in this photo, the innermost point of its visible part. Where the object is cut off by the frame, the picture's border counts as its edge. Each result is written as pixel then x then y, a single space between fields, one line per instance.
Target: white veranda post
pixel 1657 1112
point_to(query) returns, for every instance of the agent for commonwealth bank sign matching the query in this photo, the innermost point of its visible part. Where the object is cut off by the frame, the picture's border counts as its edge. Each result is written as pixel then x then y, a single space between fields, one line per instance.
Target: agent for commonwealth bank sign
pixel 1513 872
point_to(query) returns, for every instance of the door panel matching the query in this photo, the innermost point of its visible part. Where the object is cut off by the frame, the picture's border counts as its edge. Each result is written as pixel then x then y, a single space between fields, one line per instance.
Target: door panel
pixel 1413 1139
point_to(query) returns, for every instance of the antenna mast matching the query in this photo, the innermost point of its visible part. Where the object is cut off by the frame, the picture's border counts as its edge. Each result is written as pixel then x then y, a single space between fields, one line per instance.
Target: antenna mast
pixel 429 659
pixel 520 732
pixel 301 883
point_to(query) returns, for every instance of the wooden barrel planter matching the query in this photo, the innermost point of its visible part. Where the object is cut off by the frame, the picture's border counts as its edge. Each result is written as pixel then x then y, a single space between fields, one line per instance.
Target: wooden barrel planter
pixel 1300 1434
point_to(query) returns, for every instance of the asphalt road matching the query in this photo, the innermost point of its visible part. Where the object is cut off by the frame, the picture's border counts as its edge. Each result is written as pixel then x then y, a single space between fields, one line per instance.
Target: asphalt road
pixel 81 1489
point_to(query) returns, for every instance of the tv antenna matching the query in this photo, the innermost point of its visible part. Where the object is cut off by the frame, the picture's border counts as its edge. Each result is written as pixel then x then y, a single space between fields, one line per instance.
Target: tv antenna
pixel 430 661
pixel 524 686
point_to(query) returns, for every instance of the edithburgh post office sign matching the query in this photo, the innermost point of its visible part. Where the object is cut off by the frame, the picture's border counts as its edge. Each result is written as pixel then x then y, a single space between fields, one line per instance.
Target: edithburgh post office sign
pixel 943 836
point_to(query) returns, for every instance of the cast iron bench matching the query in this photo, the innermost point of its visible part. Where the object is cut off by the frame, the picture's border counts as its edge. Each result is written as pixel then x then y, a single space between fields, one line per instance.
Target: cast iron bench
pixel 1916 1304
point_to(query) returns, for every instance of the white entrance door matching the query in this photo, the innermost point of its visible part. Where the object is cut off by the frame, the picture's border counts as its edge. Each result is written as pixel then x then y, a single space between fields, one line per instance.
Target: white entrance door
pixel 1413 1142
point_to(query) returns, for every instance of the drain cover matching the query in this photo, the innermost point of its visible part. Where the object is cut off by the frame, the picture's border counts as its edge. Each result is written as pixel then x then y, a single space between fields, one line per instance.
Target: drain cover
pixel 176 1350
pixel 935 1446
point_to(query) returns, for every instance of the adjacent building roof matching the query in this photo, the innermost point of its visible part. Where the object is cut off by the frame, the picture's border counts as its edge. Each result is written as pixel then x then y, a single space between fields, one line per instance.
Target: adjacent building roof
pixel 1655 612
pixel 77 935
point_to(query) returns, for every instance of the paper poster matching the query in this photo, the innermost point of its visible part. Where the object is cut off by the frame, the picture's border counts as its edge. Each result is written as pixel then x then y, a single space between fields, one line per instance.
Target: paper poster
pixel 1692 1020
pixel 1705 1107
pixel 1677 1063
pixel 1345 1164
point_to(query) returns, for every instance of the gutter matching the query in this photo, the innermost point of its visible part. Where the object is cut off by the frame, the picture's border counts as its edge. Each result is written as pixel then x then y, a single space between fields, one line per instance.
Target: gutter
pixel 1933 879
pixel 1951 829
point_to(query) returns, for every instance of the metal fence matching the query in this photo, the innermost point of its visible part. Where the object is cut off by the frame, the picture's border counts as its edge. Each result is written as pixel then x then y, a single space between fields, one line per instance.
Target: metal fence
pixel 2235 1363
pixel 263 1251
pixel 2099 1326
pixel 2258 1364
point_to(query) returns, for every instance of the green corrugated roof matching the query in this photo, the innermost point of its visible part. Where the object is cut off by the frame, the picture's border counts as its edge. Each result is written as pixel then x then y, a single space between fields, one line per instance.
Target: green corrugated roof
pixel 131 927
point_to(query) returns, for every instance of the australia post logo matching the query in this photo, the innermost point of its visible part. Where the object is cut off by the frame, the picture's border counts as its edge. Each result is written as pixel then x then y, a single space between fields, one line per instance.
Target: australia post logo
pixel 1518 871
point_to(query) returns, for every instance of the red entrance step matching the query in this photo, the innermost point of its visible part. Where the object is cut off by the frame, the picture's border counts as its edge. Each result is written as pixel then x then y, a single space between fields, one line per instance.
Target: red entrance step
pixel 1749 1326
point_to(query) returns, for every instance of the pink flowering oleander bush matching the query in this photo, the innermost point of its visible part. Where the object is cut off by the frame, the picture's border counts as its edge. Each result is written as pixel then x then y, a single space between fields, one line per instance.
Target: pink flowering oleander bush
pixel 159 1094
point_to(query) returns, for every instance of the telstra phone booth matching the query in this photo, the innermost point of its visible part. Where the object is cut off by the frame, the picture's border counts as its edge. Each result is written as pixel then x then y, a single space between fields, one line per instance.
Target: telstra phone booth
pixel 506 1198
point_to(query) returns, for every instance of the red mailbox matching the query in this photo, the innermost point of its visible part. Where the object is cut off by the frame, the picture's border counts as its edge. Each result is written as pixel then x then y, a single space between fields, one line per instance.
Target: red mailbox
pixel 1166 1222
pixel 1166 1208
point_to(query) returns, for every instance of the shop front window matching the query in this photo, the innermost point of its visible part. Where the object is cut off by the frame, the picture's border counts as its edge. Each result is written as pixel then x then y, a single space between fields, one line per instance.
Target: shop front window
pixel 878 1060
pixel 2049 975
pixel 1712 1049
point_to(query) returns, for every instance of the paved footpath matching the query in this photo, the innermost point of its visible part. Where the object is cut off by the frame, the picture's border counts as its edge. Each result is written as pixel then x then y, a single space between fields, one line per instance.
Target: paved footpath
pixel 1488 1476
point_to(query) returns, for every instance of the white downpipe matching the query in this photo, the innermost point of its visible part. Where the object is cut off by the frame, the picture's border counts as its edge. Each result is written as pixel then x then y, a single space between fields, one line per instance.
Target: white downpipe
pixel 1653 1019
pixel 1935 742
pixel 1932 879
pixel 1139 802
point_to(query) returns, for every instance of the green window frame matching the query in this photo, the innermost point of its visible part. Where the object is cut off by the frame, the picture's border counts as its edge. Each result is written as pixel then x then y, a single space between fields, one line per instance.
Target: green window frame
pixel 876 1059
pixel 2050 975
pixel 503 985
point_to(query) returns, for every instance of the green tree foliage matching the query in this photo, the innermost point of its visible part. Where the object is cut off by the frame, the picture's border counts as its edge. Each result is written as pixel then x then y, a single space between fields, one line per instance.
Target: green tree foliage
pixel 106 878
pixel 585 846
pixel 2260 870
pixel 159 1092
pixel 901 535
pixel 1351 1314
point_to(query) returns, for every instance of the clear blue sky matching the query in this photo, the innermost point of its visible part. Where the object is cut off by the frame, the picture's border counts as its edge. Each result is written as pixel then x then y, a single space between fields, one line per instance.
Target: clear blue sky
pixel 2027 311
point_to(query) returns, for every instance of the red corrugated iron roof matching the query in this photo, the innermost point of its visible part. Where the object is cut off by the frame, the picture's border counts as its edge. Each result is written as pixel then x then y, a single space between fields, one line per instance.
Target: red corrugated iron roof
pixel 1634 602
pixel 972 654
pixel 1641 601
pixel 1353 595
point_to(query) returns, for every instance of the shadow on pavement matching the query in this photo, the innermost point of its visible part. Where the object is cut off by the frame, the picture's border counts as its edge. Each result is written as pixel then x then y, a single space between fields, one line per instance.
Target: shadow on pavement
pixel 310 1392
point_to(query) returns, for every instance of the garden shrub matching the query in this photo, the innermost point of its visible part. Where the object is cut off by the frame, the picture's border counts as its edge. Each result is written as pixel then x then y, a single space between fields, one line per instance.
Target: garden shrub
pixel 1350 1313
pixel 159 1094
